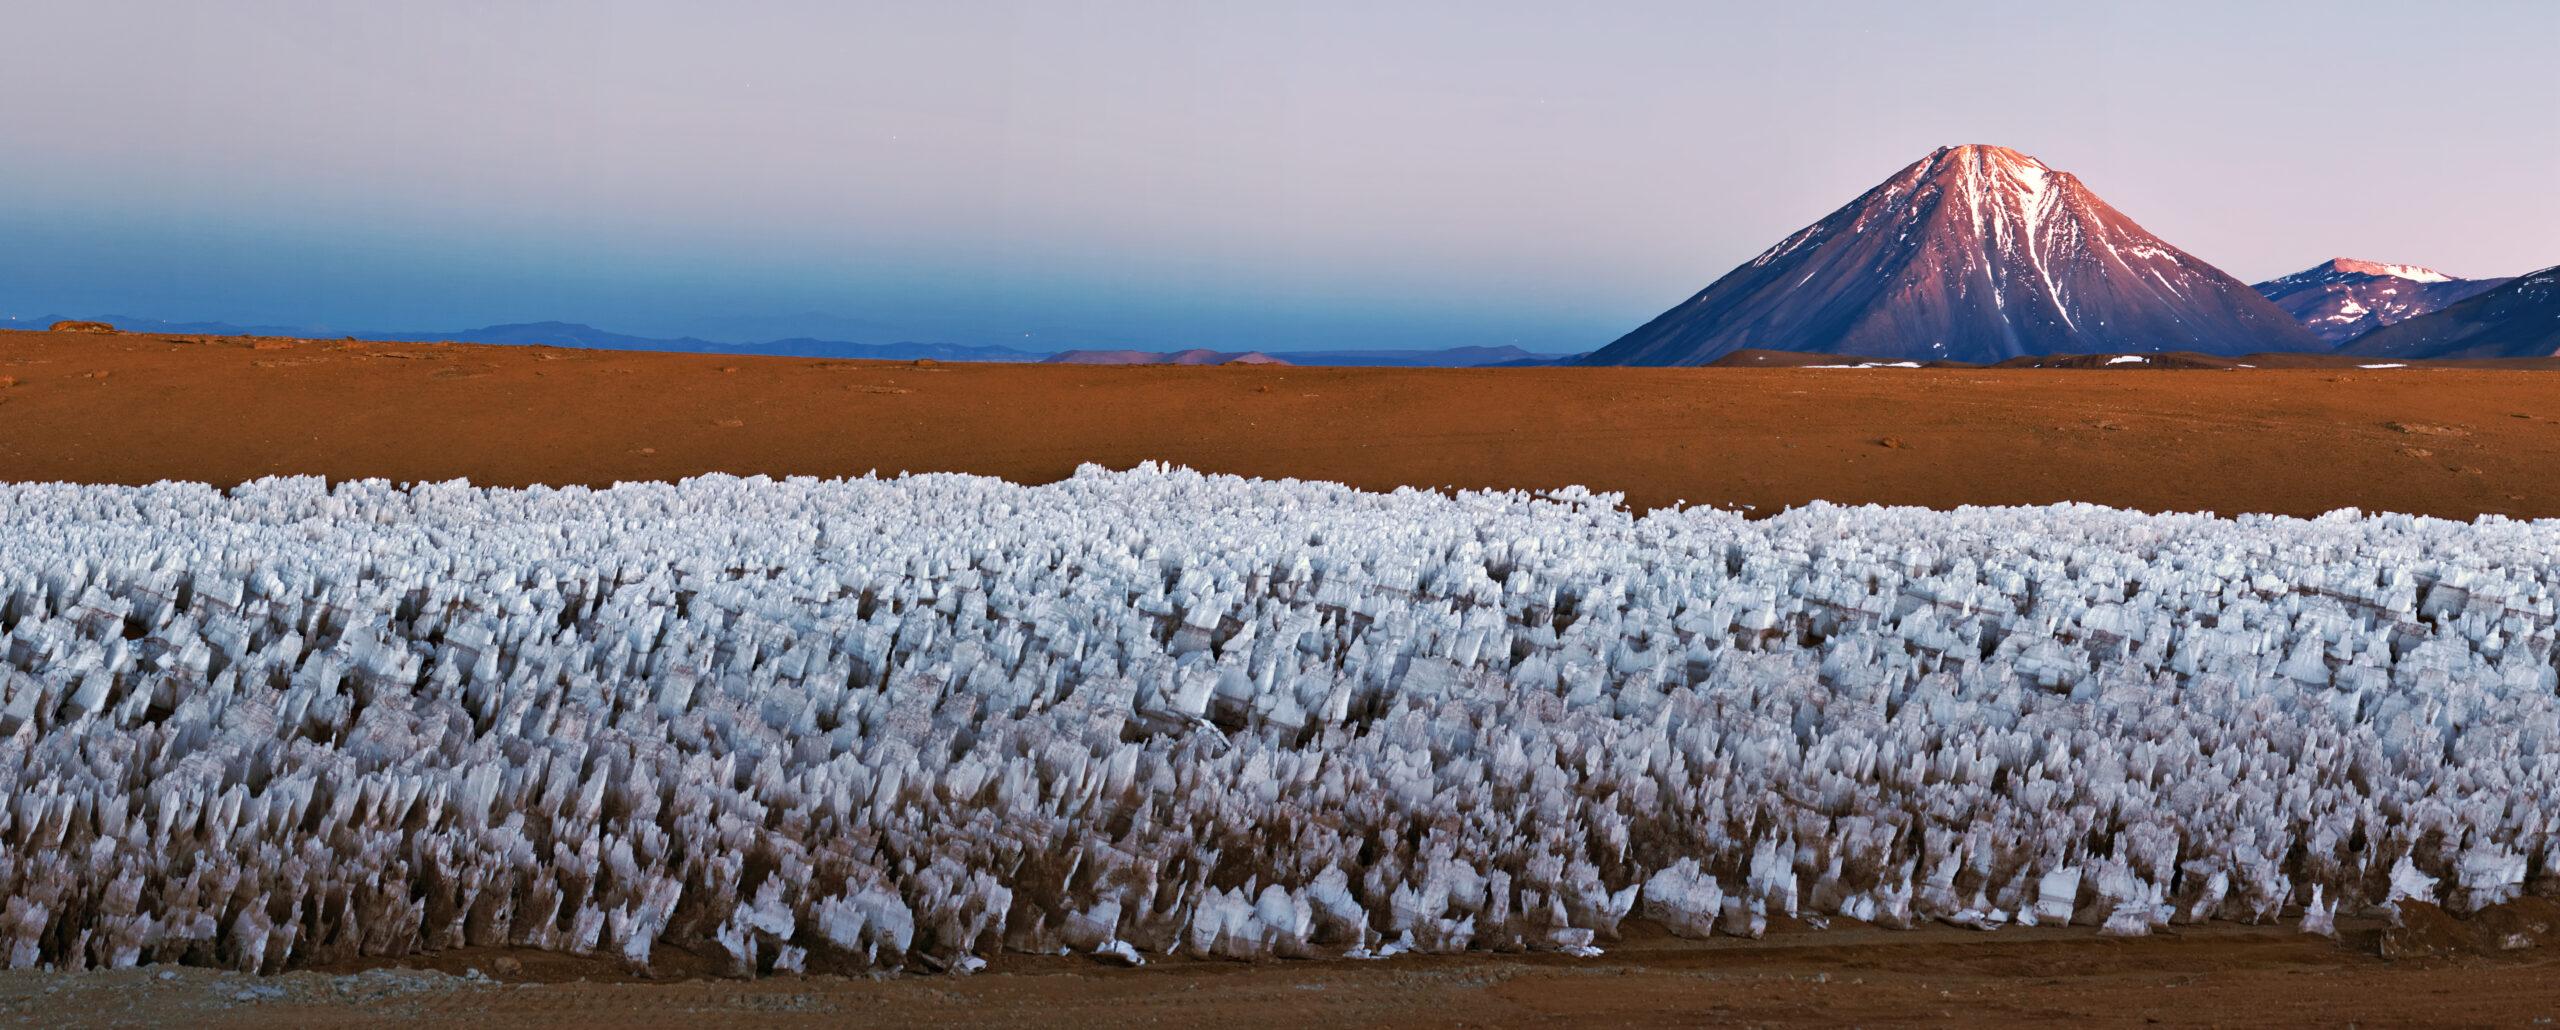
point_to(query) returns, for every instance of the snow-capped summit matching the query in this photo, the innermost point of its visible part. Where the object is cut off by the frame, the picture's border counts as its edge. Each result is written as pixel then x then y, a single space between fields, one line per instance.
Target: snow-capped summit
pixel 2413 273
pixel 2343 298
pixel 1973 253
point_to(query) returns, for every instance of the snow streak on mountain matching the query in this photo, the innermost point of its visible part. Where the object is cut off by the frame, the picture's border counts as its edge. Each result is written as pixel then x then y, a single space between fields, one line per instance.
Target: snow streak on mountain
pixel 1974 253
pixel 2341 299
pixel 2518 320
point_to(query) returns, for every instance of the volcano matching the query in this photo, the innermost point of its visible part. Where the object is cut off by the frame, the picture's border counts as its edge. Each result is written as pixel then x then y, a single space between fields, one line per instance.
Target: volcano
pixel 2341 299
pixel 2520 319
pixel 1973 253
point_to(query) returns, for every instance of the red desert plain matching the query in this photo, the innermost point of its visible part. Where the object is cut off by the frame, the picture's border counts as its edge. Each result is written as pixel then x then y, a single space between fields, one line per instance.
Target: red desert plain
pixel 2445 441
pixel 2457 443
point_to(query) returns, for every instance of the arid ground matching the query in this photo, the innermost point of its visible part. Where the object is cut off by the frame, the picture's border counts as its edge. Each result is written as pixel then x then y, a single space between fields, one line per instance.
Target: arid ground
pixel 2219 975
pixel 136 408
pixel 2449 442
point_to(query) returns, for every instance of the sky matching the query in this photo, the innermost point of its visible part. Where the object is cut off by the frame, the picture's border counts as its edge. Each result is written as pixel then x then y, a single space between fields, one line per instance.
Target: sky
pixel 1308 175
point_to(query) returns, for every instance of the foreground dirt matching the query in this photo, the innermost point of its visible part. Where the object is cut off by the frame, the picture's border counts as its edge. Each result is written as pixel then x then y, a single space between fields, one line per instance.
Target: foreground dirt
pixel 132 408
pixel 1938 976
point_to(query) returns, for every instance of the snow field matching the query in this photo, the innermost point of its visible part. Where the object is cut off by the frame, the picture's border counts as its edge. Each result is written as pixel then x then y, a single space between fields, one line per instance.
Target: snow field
pixel 911 723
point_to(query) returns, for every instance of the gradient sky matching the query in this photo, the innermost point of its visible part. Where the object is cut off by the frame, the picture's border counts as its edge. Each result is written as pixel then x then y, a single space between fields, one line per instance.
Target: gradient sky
pixel 1248 175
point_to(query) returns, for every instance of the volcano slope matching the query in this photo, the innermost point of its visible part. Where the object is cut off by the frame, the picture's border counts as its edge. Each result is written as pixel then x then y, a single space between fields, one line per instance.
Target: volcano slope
pixel 1974 253
pixel 2437 441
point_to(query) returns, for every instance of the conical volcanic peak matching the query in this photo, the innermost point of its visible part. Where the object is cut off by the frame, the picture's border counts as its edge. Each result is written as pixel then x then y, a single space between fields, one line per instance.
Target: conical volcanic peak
pixel 2344 299
pixel 1973 253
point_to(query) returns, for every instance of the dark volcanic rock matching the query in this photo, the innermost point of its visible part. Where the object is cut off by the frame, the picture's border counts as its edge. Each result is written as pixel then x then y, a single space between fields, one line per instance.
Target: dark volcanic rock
pixel 2518 320
pixel 1974 253
pixel 2341 299
pixel 2169 360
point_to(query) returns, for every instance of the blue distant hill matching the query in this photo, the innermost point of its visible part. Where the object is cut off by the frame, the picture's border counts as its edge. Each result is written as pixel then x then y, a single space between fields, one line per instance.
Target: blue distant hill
pixel 571 334
pixel 1454 357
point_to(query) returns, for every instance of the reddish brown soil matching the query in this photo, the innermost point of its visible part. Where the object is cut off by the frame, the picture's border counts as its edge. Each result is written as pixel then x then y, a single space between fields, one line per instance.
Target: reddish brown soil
pixel 138 407
pixel 134 408
pixel 1936 976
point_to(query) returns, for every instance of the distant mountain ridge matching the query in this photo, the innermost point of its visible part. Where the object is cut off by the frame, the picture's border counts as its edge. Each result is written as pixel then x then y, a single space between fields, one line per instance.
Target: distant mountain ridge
pixel 1452 357
pixel 1975 253
pixel 2343 298
pixel 572 334
pixel 1194 356
pixel 2520 319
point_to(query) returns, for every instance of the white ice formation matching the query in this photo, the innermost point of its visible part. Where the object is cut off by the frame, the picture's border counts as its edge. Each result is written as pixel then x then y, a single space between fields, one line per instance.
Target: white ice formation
pixel 911 723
